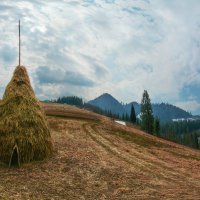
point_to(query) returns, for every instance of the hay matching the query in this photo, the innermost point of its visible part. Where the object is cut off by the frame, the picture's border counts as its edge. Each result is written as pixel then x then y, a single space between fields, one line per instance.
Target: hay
pixel 22 122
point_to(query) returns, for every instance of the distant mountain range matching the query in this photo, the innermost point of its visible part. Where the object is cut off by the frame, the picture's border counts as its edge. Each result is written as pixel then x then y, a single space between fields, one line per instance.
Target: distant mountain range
pixel 165 112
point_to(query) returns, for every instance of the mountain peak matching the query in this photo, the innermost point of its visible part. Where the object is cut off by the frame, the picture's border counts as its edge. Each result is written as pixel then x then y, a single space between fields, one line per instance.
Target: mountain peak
pixel 106 95
pixel 107 102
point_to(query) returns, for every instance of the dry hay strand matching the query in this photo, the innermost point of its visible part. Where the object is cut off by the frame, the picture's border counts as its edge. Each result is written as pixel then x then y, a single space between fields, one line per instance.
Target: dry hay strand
pixel 22 122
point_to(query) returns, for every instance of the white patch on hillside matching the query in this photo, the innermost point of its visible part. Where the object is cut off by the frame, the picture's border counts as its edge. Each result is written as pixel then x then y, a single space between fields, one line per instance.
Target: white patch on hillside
pixel 120 122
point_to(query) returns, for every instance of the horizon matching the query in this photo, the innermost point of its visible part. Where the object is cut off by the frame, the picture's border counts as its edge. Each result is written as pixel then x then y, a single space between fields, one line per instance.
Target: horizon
pixel 111 46
pixel 121 102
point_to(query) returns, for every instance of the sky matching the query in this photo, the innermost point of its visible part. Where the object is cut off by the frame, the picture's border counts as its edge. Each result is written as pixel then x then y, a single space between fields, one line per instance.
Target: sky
pixel 90 47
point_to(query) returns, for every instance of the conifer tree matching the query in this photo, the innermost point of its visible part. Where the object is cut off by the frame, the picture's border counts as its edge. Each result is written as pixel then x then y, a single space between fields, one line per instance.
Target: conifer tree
pixel 146 113
pixel 156 127
pixel 123 117
pixel 127 118
pixel 195 140
pixel 132 115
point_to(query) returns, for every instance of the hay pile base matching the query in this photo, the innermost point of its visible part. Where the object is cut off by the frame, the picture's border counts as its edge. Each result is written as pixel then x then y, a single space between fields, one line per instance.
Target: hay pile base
pixel 22 122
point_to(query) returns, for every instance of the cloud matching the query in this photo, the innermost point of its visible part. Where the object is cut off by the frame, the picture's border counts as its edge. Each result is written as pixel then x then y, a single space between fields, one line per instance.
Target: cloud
pixel 100 72
pixel 121 47
pixel 190 106
pixel 8 54
pixel 47 75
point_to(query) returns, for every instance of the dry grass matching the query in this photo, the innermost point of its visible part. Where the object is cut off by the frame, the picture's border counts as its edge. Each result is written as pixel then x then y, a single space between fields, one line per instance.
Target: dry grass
pixel 22 122
pixel 94 158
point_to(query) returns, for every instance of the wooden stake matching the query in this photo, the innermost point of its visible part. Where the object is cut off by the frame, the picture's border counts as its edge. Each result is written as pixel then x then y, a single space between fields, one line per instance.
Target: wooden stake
pixel 19 45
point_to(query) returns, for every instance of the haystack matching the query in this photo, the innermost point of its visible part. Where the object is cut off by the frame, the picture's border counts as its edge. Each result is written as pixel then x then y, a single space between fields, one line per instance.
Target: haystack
pixel 24 134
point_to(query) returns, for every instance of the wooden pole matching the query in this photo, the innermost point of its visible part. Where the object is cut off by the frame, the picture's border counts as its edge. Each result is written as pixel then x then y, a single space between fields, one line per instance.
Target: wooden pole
pixel 19 45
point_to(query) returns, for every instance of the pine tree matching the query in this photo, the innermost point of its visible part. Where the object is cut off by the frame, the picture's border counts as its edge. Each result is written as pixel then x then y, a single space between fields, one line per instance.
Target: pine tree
pixel 146 113
pixel 156 126
pixel 132 115
pixel 195 142
pixel 123 117
pixel 127 118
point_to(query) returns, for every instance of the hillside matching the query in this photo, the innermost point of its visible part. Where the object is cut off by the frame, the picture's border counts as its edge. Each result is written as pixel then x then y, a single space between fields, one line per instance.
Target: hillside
pixel 166 112
pixel 95 158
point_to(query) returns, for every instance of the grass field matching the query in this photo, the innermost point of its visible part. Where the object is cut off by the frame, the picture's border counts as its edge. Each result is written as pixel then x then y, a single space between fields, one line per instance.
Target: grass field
pixel 95 158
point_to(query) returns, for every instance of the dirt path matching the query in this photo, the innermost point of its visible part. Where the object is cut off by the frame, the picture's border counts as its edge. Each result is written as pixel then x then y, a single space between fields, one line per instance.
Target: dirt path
pixel 150 164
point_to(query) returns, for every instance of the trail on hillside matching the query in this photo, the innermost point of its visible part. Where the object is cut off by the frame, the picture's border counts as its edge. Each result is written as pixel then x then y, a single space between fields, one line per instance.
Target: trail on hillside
pixel 144 161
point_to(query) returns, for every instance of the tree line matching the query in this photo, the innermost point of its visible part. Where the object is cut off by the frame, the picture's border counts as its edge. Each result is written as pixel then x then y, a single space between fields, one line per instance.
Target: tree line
pixel 185 132
pixel 70 100
pixel 79 102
